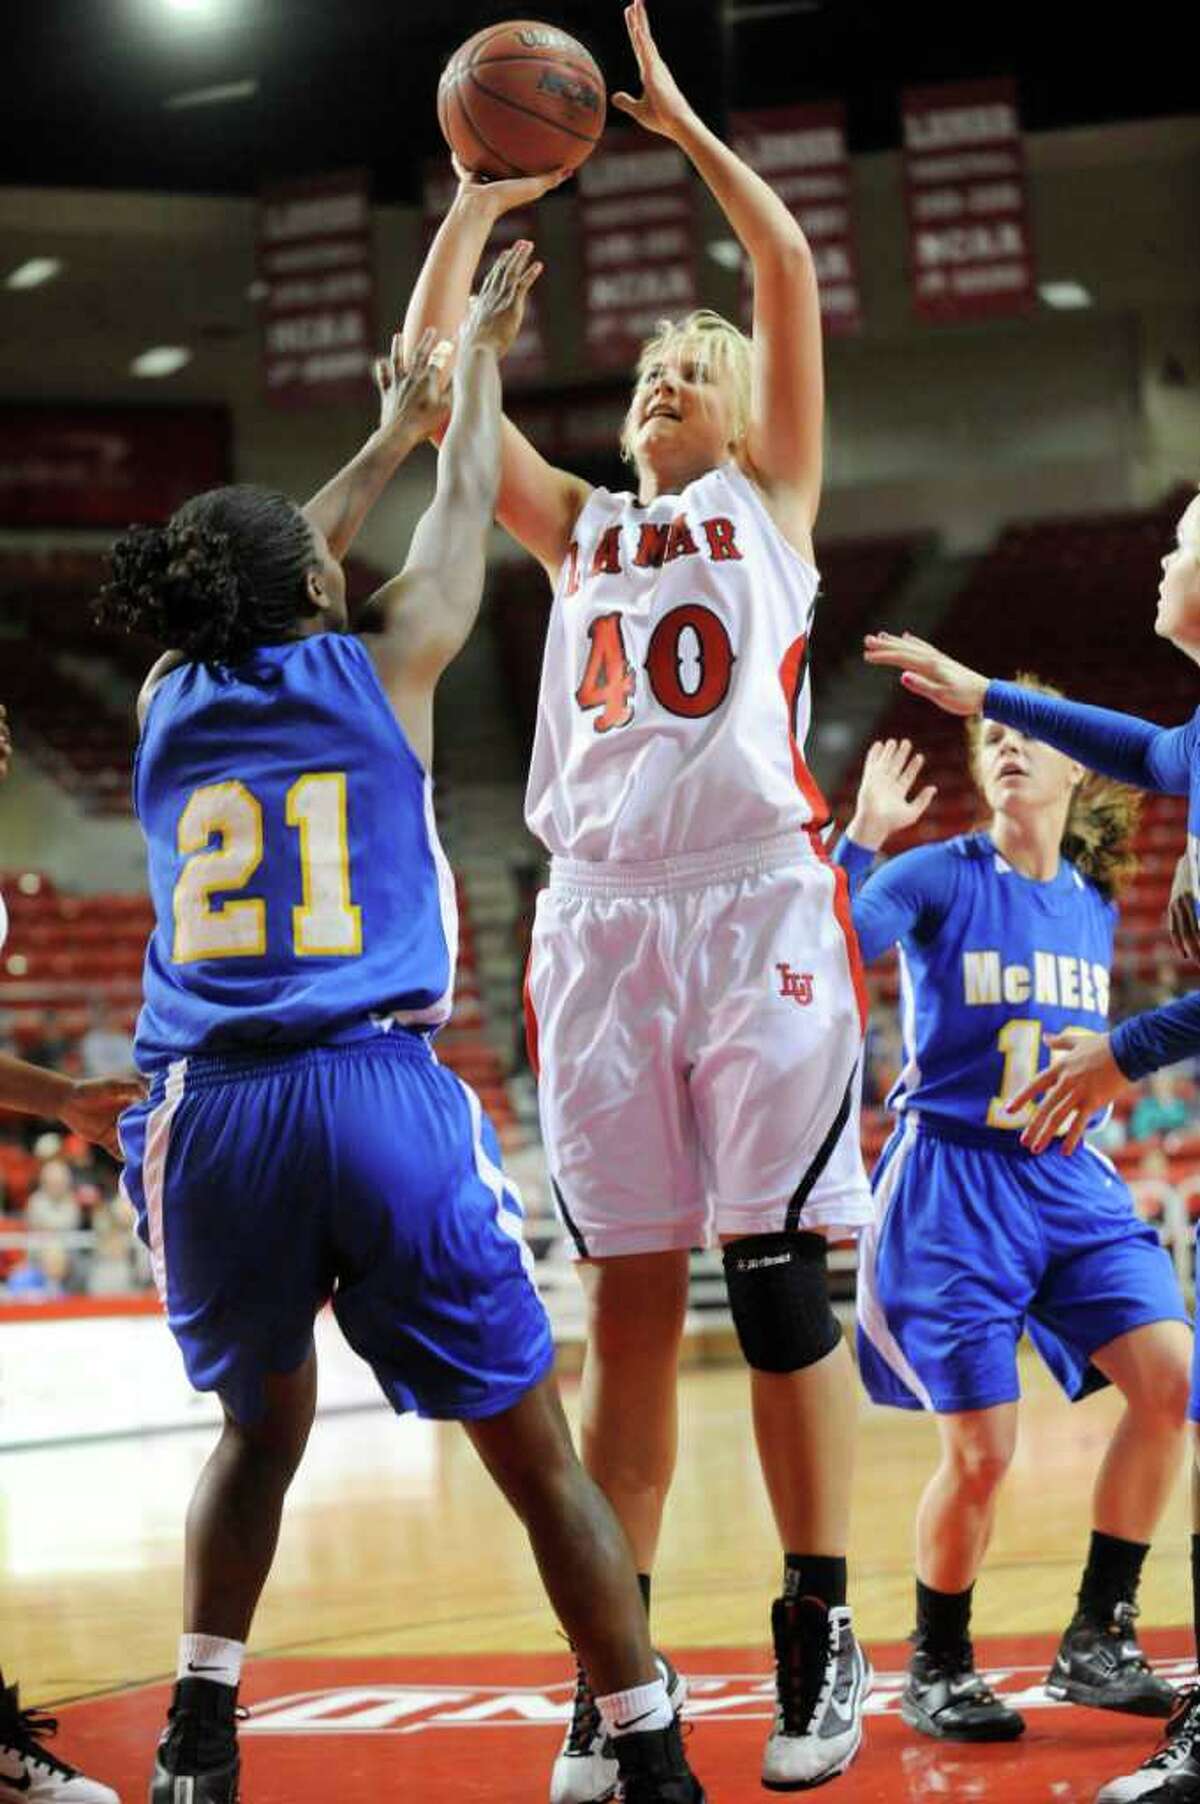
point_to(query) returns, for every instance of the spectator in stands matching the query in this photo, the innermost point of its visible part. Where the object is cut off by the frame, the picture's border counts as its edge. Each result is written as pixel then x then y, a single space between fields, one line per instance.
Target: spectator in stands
pixel 109 1270
pixel 51 1044
pixel 1161 1108
pixel 106 1048
pixel 54 1205
pixel 41 1277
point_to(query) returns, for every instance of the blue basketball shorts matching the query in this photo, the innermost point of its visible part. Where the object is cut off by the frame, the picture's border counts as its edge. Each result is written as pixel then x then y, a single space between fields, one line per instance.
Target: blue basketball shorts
pixel 365 1174
pixel 973 1244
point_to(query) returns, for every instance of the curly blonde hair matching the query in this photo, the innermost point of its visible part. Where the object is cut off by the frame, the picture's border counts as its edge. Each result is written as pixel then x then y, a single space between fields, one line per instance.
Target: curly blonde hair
pixel 719 351
pixel 1102 821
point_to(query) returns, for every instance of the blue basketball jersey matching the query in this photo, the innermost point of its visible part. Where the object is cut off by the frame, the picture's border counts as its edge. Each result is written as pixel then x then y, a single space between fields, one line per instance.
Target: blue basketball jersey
pixel 991 964
pixel 295 869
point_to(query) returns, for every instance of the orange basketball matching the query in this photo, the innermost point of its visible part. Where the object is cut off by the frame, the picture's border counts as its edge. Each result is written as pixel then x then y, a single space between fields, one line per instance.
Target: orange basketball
pixel 521 99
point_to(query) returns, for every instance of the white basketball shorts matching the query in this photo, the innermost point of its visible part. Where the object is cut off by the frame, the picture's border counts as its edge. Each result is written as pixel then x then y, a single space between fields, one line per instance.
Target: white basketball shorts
pixel 697 1025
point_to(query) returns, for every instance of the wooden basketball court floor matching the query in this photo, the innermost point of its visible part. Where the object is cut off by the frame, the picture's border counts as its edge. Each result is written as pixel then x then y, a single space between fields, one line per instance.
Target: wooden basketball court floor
pixel 404 1615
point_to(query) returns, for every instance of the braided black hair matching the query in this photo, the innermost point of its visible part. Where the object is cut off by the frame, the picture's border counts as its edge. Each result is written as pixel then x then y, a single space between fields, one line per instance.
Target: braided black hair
pixel 226 573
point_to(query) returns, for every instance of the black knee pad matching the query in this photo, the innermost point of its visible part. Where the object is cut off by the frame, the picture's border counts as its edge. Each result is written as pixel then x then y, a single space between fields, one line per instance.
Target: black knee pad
pixel 779 1296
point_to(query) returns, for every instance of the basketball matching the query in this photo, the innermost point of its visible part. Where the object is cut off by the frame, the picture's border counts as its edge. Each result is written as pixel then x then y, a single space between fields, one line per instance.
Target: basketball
pixel 521 99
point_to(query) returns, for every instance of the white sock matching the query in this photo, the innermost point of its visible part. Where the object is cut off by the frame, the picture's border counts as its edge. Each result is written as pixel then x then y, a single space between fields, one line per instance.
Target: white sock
pixel 644 1707
pixel 209 1657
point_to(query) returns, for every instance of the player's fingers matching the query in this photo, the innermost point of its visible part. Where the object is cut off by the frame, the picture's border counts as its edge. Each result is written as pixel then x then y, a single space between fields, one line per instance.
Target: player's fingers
pixel 1033 1089
pixel 529 278
pixel 625 103
pixel 382 371
pixel 923 800
pixel 1075 1132
pixel 1048 1120
pixel 920 685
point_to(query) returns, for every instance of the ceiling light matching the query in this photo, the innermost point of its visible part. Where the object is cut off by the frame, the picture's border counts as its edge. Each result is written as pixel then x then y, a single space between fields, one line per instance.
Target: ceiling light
pixel 1065 295
pixel 195 9
pixel 33 272
pixel 727 252
pixel 216 96
pixel 161 360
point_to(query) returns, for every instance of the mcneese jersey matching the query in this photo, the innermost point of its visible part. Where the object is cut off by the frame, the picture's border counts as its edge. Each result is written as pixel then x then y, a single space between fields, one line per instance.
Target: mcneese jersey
pixel 674 700
pixel 298 883
pixel 994 964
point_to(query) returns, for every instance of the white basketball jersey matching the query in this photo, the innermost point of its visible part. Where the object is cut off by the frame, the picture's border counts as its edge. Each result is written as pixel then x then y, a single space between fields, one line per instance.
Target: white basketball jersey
pixel 674 701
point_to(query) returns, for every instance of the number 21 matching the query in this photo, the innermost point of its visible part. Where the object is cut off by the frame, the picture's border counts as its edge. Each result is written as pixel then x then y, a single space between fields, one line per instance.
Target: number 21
pixel 326 924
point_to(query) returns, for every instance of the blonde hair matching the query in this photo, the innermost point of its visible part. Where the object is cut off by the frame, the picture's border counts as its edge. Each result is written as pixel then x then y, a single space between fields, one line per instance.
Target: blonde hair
pixel 720 352
pixel 1102 820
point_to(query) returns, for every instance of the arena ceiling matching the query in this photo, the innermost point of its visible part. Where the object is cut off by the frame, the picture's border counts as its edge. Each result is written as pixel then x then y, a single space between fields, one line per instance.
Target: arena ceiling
pixel 92 88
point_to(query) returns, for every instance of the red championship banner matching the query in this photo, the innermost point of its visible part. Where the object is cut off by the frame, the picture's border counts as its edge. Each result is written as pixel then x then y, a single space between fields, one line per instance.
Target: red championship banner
pixel 107 466
pixel 316 266
pixel 638 227
pixel 527 363
pixel 801 152
pixel 970 244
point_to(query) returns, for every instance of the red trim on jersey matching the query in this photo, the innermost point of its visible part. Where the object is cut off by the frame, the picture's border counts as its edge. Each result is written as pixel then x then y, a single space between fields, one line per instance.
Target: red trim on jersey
pixel 845 920
pixel 791 675
pixel 531 1026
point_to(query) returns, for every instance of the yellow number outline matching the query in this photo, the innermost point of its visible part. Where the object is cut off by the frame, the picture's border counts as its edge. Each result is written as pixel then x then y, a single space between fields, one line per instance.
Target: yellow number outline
pixel 238 928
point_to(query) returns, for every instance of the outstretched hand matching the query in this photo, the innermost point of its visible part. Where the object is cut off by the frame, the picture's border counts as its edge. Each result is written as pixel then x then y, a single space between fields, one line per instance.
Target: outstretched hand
pixel 495 314
pixel 501 195
pixel 885 804
pixel 927 671
pixel 661 106
pixel 413 402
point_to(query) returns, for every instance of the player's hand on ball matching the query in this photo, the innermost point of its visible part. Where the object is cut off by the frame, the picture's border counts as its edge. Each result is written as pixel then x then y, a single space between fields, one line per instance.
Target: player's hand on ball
pixel 927 671
pixel 886 804
pixel 1181 914
pixel 495 314
pixel 413 402
pixel 500 196
pixel 1084 1077
pixel 94 1105
pixel 662 107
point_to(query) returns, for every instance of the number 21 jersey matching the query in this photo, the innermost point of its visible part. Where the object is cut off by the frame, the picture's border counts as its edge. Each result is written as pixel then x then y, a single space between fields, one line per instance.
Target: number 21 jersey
pixel 675 700
pixel 298 883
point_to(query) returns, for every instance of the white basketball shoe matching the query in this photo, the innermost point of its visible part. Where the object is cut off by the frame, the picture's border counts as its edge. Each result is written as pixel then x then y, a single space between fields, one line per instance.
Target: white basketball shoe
pixel 585 1771
pixel 822 1678
pixel 29 1772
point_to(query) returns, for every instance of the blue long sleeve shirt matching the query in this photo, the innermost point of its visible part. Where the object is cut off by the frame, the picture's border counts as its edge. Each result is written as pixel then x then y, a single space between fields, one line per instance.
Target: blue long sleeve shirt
pixel 1165 759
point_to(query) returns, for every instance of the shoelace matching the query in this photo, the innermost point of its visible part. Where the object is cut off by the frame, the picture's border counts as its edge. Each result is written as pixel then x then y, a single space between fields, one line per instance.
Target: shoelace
pixel 585 1716
pixel 1178 1737
pixel 32 1728
pixel 799 1699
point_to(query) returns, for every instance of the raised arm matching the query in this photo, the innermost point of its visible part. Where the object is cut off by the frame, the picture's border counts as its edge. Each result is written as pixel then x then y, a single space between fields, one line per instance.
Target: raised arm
pixel 788 400
pixel 1117 745
pixel 536 502
pixel 423 617
pixel 339 509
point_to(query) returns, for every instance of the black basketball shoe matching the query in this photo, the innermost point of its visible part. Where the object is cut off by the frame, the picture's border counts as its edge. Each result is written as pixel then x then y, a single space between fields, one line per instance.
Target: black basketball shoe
pixel 1101 1664
pixel 197 1761
pixel 653 1769
pixel 945 1697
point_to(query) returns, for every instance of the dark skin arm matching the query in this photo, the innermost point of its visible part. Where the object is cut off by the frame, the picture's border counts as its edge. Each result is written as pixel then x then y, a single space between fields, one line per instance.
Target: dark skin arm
pixel 424 616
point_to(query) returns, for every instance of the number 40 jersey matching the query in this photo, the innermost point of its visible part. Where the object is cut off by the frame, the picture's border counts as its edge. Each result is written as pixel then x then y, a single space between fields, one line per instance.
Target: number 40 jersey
pixel 675 699
pixel 298 883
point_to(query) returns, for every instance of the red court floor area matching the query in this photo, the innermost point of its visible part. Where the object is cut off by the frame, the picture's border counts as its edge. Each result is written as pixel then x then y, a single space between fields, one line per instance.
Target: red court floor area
pixel 486 1727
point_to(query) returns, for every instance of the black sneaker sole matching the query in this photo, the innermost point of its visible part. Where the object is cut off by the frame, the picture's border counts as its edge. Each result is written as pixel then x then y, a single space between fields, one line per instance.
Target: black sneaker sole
pixel 1009 1727
pixel 1100 1697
